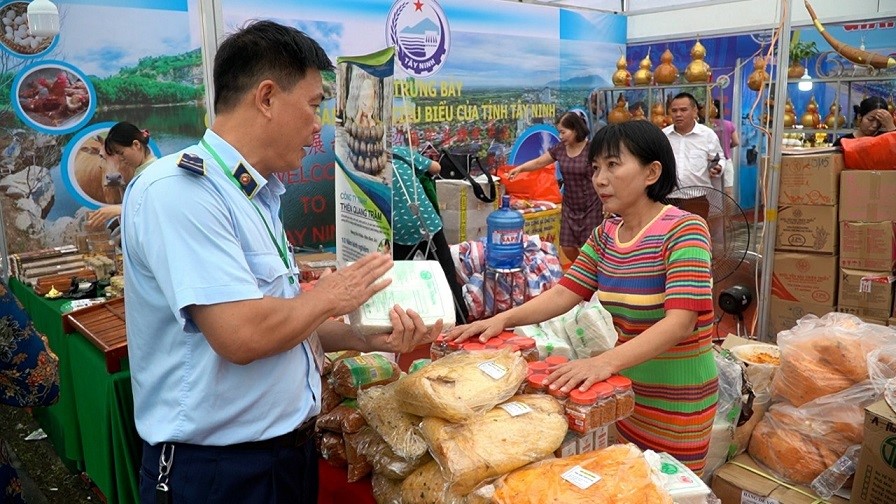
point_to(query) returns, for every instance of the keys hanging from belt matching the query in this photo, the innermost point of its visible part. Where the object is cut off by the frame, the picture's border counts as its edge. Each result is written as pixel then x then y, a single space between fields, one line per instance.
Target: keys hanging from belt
pixel 163 493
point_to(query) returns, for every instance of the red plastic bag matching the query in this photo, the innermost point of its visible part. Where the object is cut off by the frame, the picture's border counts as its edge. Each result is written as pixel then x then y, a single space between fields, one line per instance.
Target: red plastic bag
pixel 870 153
pixel 538 185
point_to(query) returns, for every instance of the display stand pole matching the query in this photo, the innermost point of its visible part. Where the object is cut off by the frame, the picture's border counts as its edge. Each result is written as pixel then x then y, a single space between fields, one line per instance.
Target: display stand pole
pixel 211 23
pixel 773 176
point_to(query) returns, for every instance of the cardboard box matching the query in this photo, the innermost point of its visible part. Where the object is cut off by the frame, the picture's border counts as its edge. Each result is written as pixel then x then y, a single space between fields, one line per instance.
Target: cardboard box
pixel 812 179
pixel 545 224
pixel 742 481
pixel 805 278
pixel 891 321
pixel 869 246
pixel 875 479
pixel 784 314
pixel 866 293
pixel 867 196
pixel 807 228
pixel 463 215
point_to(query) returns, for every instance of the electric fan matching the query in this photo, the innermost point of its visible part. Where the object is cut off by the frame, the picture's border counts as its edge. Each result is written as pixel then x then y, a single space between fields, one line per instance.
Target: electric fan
pixel 730 242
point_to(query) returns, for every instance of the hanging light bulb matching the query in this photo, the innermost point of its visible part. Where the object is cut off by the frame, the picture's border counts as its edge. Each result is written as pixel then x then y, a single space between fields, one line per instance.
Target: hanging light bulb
pixel 43 18
pixel 805 82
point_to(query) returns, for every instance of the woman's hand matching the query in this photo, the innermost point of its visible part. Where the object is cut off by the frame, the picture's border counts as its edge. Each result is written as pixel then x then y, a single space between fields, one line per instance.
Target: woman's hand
pixel 408 332
pixel 582 373
pixel 885 119
pixel 513 173
pixel 485 329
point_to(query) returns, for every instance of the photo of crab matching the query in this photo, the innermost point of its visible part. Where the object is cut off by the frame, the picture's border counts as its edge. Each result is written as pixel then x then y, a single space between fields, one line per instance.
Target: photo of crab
pixel 53 97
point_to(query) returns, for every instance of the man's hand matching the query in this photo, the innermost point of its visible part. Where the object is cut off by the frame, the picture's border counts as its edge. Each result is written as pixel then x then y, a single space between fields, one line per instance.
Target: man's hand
pixel 101 216
pixel 408 332
pixel 349 287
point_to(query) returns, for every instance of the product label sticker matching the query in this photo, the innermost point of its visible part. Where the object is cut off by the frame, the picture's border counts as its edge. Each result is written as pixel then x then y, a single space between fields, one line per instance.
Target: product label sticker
pixel 865 285
pixel 751 498
pixel 493 369
pixel 515 409
pixel 580 477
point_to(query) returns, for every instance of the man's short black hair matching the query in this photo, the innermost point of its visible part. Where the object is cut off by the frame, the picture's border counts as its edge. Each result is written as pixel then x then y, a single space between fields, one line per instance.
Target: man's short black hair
pixel 263 50
pixel 687 95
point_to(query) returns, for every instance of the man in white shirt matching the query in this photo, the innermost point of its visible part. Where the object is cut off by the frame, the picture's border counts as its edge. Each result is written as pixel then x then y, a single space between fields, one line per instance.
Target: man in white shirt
pixel 698 155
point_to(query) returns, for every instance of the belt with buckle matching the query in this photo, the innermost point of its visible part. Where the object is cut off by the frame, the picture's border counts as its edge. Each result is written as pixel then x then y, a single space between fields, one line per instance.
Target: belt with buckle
pixel 294 439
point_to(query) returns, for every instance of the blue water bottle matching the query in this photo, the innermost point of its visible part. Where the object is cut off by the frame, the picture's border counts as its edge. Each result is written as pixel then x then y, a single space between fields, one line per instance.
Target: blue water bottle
pixel 504 248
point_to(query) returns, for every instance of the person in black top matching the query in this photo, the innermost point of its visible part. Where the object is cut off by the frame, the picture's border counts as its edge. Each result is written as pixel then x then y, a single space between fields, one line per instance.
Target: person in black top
pixel 872 119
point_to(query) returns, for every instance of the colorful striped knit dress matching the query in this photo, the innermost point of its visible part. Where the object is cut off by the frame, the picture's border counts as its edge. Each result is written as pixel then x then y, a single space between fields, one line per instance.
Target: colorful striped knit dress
pixel 667 266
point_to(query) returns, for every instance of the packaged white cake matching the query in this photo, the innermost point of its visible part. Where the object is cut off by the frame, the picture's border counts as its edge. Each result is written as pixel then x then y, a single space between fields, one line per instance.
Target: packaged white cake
pixel 420 286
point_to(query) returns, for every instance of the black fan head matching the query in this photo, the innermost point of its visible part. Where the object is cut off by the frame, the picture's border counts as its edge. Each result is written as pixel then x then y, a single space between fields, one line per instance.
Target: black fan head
pixel 728 227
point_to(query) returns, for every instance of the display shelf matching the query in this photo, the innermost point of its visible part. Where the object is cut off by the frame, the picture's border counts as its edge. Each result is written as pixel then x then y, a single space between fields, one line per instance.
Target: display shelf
pixel 846 91
pixel 654 93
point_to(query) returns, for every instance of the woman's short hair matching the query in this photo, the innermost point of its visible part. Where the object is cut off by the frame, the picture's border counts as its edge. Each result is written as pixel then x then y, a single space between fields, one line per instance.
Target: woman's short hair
pixel 647 143
pixel 574 122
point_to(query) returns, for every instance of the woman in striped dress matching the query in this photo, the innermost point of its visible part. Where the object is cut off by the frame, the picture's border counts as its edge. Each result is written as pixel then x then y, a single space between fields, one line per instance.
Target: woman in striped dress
pixel 650 265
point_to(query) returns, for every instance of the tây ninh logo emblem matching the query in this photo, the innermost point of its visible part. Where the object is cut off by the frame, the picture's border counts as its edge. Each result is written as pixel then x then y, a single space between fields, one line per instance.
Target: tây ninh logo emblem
pixel 419 31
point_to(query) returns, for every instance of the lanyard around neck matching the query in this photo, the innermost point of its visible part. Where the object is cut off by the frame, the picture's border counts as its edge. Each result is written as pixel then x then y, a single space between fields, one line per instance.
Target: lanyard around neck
pixel 281 249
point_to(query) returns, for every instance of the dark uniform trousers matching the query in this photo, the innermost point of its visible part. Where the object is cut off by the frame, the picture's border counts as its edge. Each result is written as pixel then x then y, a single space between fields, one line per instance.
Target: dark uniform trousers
pixel 282 470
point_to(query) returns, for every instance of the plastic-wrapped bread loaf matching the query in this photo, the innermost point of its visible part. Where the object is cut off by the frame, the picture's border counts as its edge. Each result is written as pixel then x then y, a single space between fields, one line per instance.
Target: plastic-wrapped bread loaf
pixel 384 461
pixel 618 474
pixel 385 490
pixel 364 371
pixel 462 385
pixel 426 485
pixel 379 405
pixel 498 442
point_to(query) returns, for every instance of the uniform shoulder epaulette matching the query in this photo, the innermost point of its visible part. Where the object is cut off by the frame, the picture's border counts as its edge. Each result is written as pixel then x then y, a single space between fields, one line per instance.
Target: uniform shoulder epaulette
pixel 191 163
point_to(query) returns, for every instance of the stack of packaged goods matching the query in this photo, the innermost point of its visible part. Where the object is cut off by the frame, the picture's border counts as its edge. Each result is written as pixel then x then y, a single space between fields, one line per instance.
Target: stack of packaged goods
pixel 805 267
pixel 831 368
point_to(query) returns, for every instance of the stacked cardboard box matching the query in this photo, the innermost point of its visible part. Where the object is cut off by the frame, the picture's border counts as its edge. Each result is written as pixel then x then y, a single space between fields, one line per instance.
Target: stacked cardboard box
pixel 867 244
pixel 805 272
pixel 463 215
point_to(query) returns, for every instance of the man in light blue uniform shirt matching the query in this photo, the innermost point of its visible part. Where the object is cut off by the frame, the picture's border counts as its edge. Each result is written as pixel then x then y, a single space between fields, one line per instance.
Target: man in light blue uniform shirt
pixel 224 353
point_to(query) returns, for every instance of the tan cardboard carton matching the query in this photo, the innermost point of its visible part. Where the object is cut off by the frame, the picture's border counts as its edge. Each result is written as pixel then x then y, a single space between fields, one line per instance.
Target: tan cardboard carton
pixel 868 196
pixel 869 246
pixel 875 479
pixel 784 314
pixel 807 228
pixel 891 321
pixel 810 179
pixel 742 481
pixel 805 278
pixel 463 215
pixel 866 293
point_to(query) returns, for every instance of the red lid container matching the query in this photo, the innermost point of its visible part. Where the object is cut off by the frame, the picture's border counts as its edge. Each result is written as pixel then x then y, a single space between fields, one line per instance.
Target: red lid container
pixel 602 389
pixel 523 342
pixel 558 393
pixel 454 345
pixel 536 380
pixel 539 367
pixel 473 345
pixel 506 335
pixel 579 397
pixel 509 346
pixel 556 360
pixel 494 343
pixel 620 382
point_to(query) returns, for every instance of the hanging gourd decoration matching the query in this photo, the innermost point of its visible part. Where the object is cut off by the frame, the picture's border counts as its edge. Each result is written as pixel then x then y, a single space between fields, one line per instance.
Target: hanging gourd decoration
pixel 789 115
pixel 834 119
pixel 810 118
pixel 638 113
pixel 890 105
pixel 759 76
pixel 698 70
pixel 620 112
pixel 658 114
pixel 666 72
pixel 643 76
pixel 769 110
pixel 622 77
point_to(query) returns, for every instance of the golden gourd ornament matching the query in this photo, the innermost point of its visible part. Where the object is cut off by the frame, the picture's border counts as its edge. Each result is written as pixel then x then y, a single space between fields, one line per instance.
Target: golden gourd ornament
pixel 658 114
pixel 622 77
pixel 666 72
pixel 638 113
pixel 698 70
pixel 759 76
pixel 643 76
pixel 620 112
pixel 890 105
pixel 834 119
pixel 810 118
pixel 789 115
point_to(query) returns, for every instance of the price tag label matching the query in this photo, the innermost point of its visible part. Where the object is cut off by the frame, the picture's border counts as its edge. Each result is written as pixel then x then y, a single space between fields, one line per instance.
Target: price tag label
pixel 865 285
pixel 493 369
pixel 751 498
pixel 580 477
pixel 515 409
